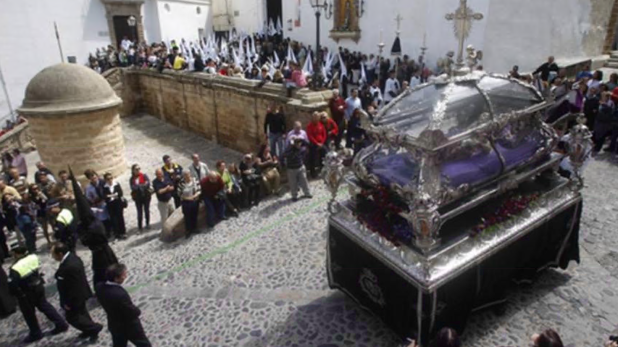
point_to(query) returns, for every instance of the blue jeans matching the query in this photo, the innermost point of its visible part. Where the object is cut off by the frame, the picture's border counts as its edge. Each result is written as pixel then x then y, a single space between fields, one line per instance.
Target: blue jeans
pixel 276 143
pixel 214 206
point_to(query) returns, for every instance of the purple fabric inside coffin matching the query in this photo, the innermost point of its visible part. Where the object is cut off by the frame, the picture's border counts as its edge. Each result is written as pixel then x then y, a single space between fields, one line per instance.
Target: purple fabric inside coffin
pixel 400 168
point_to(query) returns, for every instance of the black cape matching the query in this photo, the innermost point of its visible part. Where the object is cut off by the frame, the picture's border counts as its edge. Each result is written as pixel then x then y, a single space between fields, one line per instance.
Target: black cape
pixel 7 301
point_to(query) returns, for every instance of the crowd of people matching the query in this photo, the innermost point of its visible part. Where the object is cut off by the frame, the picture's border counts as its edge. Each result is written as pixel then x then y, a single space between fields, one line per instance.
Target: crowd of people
pixel 269 59
pixel 586 93
pixel 57 202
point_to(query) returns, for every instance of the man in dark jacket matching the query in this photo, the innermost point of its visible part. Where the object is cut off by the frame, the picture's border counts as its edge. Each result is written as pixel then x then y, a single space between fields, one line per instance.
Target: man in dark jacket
pixel 546 68
pixel 27 285
pixel 122 315
pixel 297 174
pixel 74 291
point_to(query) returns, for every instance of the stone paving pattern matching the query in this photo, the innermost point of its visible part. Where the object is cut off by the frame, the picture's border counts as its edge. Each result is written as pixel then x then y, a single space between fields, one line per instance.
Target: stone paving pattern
pixel 260 280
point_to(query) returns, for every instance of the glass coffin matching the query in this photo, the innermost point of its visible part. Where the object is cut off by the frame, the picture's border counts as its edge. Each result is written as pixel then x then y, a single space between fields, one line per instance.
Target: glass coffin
pixel 447 141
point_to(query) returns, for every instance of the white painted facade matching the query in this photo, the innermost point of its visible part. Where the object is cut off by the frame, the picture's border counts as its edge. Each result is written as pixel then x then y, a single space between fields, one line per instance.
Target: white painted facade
pixel 247 15
pixel 176 19
pixel 522 32
pixel 29 41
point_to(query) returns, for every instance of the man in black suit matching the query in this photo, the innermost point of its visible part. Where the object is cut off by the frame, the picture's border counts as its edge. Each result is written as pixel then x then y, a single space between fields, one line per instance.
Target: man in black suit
pixel 74 291
pixel 122 316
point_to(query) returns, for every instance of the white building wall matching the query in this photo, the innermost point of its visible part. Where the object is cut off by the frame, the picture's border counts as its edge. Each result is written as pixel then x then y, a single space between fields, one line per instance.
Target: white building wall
pixel 180 19
pixel 519 32
pixel 248 15
pixel 150 18
pixel 29 42
pixel 572 30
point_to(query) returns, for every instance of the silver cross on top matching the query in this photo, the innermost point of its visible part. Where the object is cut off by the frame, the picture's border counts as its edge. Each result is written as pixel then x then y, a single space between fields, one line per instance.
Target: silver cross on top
pixel 462 24
pixel 398 19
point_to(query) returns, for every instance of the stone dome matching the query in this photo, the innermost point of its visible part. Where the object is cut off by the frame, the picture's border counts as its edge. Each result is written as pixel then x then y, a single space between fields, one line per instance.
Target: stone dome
pixel 68 88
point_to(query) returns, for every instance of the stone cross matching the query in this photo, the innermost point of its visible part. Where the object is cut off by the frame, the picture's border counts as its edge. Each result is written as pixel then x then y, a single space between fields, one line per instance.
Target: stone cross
pixel 462 20
pixel 398 19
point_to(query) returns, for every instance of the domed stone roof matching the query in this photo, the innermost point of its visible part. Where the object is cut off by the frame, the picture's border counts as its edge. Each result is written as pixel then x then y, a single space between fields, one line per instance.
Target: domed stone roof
pixel 68 88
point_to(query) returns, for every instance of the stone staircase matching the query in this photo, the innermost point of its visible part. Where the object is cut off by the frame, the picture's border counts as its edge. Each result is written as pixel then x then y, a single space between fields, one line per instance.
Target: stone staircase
pixel 613 60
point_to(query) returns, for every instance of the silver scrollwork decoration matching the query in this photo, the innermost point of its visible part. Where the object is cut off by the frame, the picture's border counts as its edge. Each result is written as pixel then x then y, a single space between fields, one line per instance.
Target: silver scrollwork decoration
pixel 333 174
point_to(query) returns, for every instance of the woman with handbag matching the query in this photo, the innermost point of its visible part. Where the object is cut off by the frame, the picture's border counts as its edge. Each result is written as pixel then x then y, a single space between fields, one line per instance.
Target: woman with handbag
pixel 116 203
pixel 189 189
pixel 141 192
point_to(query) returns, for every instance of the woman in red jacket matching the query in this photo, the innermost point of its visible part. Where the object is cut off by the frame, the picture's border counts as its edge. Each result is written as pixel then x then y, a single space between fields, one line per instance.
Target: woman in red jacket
pixel 332 130
pixel 316 132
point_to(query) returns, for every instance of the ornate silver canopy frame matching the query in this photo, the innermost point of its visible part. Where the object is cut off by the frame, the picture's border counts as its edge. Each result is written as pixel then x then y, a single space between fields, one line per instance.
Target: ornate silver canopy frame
pixel 428 133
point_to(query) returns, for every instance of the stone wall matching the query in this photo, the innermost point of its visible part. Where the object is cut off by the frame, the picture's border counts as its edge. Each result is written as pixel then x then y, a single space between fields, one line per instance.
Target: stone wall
pixel 84 141
pixel 229 111
pixel 18 138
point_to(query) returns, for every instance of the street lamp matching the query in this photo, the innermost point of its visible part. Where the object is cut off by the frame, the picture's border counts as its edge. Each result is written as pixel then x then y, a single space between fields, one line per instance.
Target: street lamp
pixel 327 7
pixel 132 22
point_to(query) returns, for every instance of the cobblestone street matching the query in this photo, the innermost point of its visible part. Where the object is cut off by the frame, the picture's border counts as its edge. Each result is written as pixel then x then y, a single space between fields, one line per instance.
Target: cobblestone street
pixel 260 280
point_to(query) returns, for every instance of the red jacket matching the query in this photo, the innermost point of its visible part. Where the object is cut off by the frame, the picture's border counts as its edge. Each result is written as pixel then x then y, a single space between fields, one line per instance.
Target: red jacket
pixel 331 127
pixel 337 108
pixel 316 133
pixel 210 189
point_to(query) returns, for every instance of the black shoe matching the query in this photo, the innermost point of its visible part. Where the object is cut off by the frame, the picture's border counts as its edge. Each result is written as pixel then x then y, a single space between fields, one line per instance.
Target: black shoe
pixel 59 330
pixel 93 338
pixel 83 336
pixel 33 338
pixel 121 237
pixel 308 196
pixel 295 198
pixel 224 218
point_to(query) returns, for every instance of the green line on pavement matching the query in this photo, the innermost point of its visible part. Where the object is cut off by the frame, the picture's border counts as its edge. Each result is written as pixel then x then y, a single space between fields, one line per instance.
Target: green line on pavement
pixel 232 245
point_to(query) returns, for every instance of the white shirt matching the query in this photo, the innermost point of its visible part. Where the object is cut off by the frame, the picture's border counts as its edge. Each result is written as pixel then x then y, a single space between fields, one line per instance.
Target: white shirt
pixel 200 171
pixel 376 93
pixel 414 81
pixel 352 104
pixel 392 85
pixel 65 257
pixel 126 44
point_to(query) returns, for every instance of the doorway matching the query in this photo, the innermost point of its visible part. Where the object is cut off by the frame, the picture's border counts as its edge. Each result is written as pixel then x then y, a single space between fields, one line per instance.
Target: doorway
pixel 274 11
pixel 122 29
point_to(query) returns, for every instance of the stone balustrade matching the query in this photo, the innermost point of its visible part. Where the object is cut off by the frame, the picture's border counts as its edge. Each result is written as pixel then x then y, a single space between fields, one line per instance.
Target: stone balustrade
pixel 19 137
pixel 229 111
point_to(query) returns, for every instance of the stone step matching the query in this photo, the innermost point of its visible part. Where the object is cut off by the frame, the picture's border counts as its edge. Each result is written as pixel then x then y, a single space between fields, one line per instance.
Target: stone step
pixel 613 65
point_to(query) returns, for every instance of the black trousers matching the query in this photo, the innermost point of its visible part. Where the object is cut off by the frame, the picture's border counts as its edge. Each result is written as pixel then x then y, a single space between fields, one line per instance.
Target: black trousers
pixel 135 334
pixel 4 248
pixel 316 153
pixel 80 319
pixel 252 189
pixel 189 210
pixel 98 275
pixel 143 211
pixel 339 137
pixel 36 299
pixel 116 215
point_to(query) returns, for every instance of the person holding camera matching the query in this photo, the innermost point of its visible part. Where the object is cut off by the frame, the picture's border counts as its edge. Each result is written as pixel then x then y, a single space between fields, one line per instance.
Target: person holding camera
pixel 251 178
pixel 213 194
